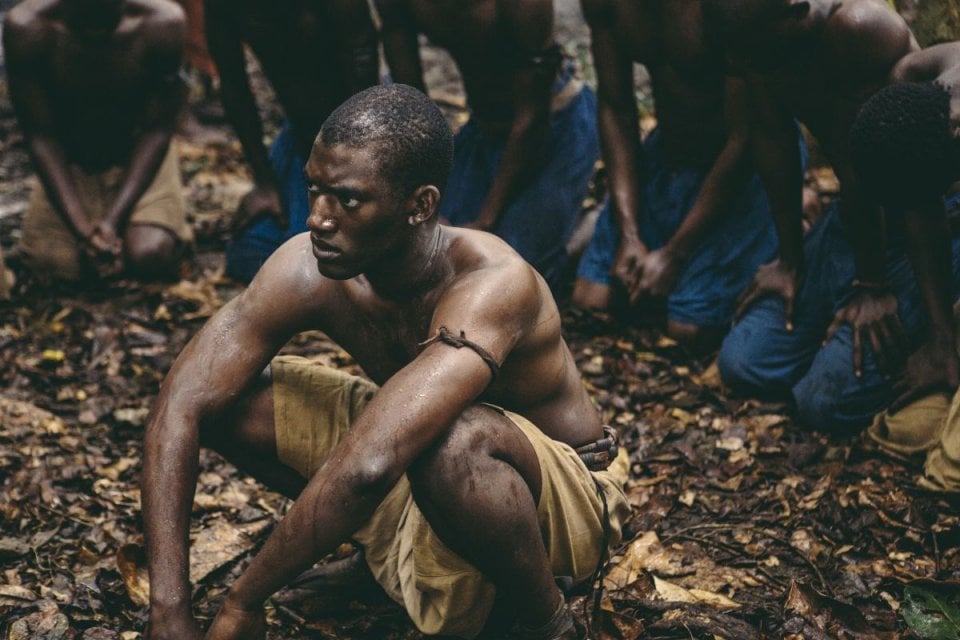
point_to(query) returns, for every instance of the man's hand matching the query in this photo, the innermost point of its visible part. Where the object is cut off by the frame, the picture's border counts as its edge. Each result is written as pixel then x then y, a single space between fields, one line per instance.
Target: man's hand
pixel 771 279
pixel 873 315
pixel 950 82
pixel 659 271
pixel 236 623
pixel 628 265
pixel 105 249
pixel 163 627
pixel 929 369
pixel 259 202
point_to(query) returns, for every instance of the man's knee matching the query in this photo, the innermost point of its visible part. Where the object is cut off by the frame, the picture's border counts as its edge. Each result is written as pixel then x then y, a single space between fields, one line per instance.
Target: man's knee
pixel 451 458
pixel 152 252
pixel 832 404
pixel 737 362
pixel 591 295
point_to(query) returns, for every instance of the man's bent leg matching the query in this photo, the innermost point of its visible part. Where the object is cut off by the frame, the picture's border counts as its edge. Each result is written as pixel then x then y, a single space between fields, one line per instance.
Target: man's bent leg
pixel 152 252
pixel 246 436
pixel 478 488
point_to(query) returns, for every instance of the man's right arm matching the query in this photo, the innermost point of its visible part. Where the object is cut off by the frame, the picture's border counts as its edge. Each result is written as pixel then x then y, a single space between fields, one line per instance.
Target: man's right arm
pixel 23 44
pixel 400 46
pixel 619 136
pixel 226 48
pixel 775 152
pixel 214 369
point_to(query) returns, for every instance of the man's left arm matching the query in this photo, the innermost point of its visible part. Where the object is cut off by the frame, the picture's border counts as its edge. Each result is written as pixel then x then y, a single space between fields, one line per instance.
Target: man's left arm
pixel 164 55
pixel 529 26
pixel 939 64
pixel 934 366
pixel 866 50
pixel 409 413
pixel 726 178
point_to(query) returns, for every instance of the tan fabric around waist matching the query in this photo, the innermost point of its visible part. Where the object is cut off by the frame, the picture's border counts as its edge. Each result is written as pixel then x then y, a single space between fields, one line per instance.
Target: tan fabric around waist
pixel 314 407
pixel 49 245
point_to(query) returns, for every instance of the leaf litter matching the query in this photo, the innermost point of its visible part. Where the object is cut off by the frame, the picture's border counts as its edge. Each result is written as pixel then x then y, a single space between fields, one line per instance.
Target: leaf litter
pixel 744 526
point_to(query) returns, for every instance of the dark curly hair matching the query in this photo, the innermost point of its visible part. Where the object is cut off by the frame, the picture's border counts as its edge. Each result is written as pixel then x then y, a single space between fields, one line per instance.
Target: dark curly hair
pixel 901 144
pixel 413 138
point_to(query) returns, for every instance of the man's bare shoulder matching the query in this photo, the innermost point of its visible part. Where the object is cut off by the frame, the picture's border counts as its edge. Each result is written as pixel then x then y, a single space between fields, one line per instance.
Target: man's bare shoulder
pixel 290 284
pixel 490 271
pixel 26 26
pixel 866 33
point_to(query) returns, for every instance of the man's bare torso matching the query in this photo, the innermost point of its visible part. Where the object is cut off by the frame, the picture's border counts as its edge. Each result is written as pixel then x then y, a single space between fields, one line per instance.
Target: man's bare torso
pixel 667 37
pixel 538 379
pixel 300 47
pixel 485 52
pixel 97 90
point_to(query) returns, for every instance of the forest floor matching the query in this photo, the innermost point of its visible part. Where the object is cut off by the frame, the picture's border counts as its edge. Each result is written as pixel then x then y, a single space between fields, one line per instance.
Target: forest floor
pixel 744 525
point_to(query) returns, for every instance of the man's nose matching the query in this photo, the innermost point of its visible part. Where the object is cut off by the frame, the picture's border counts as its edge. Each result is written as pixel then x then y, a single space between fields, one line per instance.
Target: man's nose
pixel 321 217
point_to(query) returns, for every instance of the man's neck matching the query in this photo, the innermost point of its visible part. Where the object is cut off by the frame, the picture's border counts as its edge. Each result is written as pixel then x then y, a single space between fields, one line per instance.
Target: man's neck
pixel 416 272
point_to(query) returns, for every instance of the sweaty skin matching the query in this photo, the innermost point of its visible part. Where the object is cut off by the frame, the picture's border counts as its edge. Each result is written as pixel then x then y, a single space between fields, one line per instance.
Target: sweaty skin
pixel 819 68
pixel 98 100
pixel 490 40
pixel 379 276
pixel 689 85
pixel 315 53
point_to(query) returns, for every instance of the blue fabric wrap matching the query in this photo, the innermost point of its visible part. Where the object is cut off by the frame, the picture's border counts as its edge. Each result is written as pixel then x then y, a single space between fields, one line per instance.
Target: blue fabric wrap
pixel 760 357
pixel 720 268
pixel 540 219
pixel 247 252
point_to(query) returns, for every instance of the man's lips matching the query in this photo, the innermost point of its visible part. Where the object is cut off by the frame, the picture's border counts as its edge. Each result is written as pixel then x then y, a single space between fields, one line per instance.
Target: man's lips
pixel 323 250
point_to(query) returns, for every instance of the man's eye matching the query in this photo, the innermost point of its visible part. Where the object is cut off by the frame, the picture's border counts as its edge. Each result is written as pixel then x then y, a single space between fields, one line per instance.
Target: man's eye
pixel 349 203
pixel 313 189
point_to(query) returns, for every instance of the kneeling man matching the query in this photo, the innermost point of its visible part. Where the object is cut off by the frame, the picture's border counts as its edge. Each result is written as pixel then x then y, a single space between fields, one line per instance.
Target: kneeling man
pixel 455 500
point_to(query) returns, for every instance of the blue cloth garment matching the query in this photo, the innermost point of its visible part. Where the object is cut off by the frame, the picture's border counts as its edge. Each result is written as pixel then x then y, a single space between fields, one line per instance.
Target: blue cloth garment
pixel 247 252
pixel 541 218
pixel 760 357
pixel 720 268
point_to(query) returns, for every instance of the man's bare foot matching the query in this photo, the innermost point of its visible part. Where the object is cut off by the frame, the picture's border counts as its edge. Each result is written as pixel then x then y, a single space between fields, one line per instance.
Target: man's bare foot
pixel 234 623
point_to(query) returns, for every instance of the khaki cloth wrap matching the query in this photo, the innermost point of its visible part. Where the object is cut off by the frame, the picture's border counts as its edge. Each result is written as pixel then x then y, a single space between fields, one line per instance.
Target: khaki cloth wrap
pixel 931 426
pixel 314 407
pixel 48 244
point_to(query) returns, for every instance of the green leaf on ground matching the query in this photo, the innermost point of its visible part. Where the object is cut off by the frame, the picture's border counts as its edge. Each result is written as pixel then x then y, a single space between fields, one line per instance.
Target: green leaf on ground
pixel 932 615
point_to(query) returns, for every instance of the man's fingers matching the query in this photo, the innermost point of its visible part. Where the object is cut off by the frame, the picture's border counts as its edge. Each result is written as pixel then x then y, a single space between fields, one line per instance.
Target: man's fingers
pixel 878 344
pixel 788 311
pixel 857 352
pixel 747 298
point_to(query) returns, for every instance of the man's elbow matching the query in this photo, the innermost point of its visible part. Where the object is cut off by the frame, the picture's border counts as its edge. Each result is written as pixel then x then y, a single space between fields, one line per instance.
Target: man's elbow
pixel 373 477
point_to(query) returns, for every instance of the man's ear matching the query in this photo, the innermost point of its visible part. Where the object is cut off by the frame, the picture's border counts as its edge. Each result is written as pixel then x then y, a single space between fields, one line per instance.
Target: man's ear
pixel 798 10
pixel 423 203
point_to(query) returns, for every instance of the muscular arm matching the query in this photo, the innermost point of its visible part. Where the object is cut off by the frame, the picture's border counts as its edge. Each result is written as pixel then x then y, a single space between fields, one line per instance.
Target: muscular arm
pixel 410 412
pixel 934 366
pixel 721 185
pixel 226 48
pixel 619 133
pixel 23 43
pixel 400 45
pixel 211 372
pixel 358 43
pixel 530 26
pixel 167 88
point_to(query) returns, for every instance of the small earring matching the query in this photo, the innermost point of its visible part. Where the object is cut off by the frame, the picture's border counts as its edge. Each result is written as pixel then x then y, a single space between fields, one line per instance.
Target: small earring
pixel 412 220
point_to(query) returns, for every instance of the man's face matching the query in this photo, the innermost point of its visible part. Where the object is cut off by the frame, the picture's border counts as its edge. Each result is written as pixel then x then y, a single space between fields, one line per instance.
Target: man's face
pixel 356 217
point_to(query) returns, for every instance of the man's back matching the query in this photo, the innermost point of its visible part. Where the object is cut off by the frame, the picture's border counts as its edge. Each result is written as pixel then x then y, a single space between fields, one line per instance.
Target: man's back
pixel 95 90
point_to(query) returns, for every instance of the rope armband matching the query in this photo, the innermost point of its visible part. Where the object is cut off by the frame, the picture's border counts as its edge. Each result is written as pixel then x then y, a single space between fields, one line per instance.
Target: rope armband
pixel 458 342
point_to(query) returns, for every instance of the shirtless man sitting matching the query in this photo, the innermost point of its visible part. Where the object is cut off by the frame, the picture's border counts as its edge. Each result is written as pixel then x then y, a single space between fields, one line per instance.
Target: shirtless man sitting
pixel 444 320
pixel 827 322
pixel 688 219
pixel 523 162
pixel 96 90
pixel 316 54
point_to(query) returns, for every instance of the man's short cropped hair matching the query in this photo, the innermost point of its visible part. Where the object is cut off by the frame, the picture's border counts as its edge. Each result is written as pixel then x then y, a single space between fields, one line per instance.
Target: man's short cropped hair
pixel 413 139
pixel 901 144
